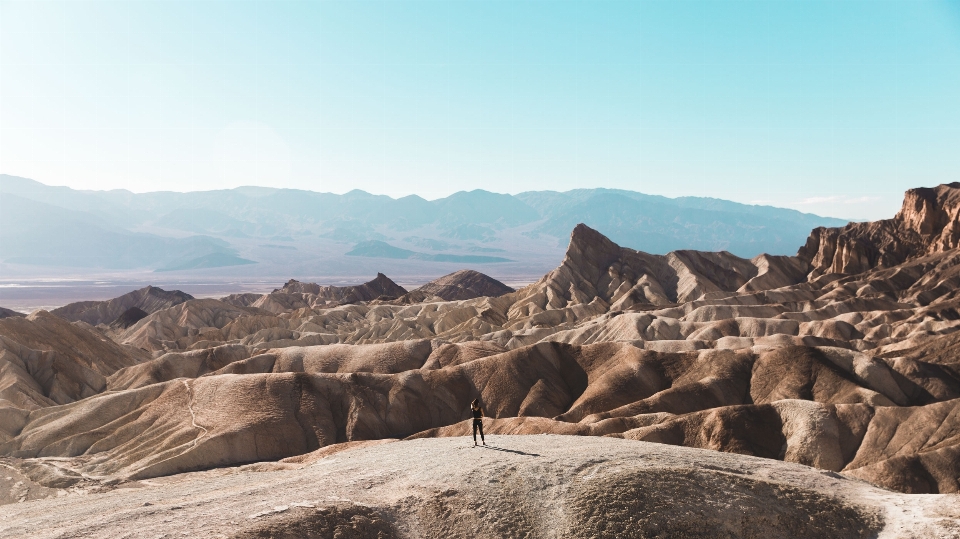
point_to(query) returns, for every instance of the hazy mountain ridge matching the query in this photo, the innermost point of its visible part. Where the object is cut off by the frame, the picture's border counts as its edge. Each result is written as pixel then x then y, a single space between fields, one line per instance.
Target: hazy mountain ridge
pixel 658 225
pixel 380 249
pixel 61 227
pixel 41 234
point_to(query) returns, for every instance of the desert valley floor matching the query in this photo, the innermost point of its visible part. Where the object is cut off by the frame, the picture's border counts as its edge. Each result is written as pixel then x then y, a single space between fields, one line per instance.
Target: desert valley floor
pixel 815 395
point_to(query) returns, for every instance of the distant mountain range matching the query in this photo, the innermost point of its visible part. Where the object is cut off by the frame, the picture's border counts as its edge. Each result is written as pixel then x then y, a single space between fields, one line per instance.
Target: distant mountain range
pixel 283 231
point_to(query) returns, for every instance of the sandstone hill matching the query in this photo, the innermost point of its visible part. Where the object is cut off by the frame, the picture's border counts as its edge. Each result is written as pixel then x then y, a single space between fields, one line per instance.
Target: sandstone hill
pixel 296 295
pixel 460 285
pixel 149 299
pixel 45 360
pixel 6 313
pixel 776 357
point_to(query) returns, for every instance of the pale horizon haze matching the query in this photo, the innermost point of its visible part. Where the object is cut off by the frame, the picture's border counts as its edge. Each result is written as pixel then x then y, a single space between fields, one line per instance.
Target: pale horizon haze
pixel 827 107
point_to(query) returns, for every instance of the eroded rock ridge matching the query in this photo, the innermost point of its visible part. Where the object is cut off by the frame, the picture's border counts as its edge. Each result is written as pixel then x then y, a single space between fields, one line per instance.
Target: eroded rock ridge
pixel 841 358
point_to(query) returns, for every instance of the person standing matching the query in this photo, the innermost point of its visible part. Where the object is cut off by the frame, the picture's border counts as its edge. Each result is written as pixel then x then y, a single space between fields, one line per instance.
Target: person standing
pixel 477 421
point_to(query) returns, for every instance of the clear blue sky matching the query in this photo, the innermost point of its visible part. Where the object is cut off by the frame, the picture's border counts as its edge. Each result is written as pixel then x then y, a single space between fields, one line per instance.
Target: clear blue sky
pixel 834 107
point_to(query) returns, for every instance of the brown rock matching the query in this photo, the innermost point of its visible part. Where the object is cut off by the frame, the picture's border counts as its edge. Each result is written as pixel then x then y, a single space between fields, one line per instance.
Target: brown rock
pixel 460 285
pixel 7 313
pixel 928 223
pixel 149 299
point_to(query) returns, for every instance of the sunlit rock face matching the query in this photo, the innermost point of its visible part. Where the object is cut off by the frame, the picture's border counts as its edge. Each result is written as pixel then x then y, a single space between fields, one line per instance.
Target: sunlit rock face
pixel 928 223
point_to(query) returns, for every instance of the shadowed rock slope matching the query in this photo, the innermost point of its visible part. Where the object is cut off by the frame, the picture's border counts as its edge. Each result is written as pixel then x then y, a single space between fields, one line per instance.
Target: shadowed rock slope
pixel 149 299
pixel 771 357
pixel 129 317
pixel 7 313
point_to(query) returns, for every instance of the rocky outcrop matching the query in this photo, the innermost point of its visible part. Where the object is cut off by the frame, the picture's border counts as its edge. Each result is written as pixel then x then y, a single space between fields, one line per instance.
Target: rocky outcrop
pixel 7 313
pixel 149 299
pixel 380 286
pixel 596 269
pixel 928 223
pixel 183 325
pixel 297 295
pixel 45 360
pixel 460 285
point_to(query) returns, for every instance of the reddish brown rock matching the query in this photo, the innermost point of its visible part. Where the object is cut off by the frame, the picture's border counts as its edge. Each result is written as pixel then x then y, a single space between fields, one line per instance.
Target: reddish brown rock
pixel 928 223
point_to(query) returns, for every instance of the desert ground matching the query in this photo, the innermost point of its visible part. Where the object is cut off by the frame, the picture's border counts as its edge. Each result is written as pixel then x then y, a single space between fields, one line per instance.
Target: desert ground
pixel 517 486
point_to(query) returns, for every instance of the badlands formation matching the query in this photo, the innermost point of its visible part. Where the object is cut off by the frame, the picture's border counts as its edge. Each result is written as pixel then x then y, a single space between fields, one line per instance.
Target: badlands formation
pixel 827 386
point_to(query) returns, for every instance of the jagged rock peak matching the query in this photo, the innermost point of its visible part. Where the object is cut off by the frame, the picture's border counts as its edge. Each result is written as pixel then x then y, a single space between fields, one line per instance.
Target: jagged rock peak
pixel 590 252
pixel 289 285
pixel 596 268
pixel 927 223
pixel 933 213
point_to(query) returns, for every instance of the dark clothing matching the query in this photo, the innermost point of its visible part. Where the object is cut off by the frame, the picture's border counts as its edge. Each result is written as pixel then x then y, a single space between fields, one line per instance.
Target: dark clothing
pixel 477 424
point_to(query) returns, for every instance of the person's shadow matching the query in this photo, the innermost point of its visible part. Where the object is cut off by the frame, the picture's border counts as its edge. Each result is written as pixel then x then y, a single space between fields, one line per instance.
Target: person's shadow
pixel 507 450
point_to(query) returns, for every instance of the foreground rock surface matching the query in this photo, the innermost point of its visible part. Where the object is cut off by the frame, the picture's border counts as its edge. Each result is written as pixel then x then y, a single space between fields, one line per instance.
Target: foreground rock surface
pixel 518 486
